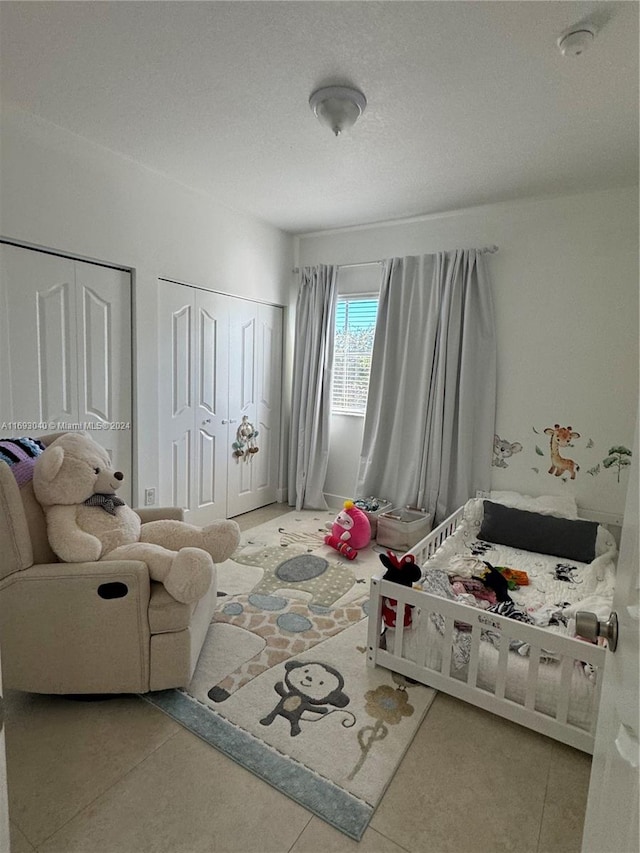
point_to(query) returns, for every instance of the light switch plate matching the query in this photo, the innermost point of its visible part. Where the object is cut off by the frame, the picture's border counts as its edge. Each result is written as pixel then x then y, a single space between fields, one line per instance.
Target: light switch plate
pixel 149 497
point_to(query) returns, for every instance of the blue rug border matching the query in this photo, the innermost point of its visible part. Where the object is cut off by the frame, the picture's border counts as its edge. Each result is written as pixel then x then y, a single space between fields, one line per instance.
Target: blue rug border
pixel 340 809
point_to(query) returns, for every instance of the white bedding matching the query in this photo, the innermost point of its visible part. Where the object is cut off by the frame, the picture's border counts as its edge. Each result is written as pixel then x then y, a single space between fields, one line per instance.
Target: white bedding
pixel 594 581
pixel 589 587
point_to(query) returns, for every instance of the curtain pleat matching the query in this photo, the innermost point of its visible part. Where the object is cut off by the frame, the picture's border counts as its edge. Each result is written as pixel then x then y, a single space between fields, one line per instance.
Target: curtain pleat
pixel 429 425
pixel 311 391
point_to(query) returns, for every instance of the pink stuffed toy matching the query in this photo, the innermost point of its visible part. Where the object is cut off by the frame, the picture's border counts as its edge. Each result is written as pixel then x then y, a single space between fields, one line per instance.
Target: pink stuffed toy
pixel 350 531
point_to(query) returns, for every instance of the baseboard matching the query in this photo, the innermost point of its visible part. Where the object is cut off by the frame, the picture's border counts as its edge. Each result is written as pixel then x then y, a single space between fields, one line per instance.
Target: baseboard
pixel 335 501
pixel 606 518
pixel 610 520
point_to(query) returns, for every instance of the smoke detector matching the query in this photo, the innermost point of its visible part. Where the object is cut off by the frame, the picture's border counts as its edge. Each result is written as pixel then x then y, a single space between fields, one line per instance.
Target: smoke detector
pixel 576 41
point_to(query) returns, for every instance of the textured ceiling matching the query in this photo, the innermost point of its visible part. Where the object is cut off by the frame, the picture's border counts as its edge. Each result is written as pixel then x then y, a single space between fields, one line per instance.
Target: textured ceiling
pixel 468 102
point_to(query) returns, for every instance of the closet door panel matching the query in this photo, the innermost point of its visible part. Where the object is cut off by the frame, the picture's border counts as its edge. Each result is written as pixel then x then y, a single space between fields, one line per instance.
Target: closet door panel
pixel 217 357
pixel 212 406
pixel 256 330
pixel 270 372
pixel 180 472
pixel 243 383
pixel 55 344
pixel 68 327
pixel 176 394
pixel 103 309
pixel 270 399
pixel 246 331
pixel 41 330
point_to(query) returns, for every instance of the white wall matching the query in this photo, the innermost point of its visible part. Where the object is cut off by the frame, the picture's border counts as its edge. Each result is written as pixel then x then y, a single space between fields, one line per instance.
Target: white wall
pixel 60 192
pixel 565 284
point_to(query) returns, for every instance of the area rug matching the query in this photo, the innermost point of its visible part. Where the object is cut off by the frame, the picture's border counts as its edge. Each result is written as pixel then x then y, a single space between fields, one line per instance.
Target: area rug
pixel 282 686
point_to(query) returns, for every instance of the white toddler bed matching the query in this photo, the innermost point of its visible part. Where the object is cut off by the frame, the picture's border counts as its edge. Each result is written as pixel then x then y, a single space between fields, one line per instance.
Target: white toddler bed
pixel 541 677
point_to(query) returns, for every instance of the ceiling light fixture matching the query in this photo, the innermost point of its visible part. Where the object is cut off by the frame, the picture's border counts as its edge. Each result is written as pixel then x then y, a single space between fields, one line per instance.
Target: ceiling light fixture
pixel 339 107
pixel 576 41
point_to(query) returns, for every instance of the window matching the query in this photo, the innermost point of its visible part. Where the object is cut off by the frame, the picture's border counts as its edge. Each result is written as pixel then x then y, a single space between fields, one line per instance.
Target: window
pixel 355 327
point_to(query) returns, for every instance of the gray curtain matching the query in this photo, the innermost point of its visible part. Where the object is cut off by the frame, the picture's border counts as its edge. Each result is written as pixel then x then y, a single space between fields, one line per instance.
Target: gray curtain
pixel 311 392
pixel 429 425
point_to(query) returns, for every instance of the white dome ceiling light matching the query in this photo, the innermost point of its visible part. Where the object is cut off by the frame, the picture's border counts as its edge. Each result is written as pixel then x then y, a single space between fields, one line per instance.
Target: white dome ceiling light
pixel 576 41
pixel 339 107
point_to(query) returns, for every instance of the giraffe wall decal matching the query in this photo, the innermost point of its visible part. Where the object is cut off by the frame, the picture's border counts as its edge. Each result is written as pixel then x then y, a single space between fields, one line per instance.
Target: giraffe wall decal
pixel 561 437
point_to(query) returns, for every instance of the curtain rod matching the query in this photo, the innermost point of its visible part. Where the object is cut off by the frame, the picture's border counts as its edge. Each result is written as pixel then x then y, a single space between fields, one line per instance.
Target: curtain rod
pixel 487 250
pixel 348 266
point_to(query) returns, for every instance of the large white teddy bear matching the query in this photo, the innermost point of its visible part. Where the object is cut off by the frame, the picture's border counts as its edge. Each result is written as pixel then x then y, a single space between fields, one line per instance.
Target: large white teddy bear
pixel 75 483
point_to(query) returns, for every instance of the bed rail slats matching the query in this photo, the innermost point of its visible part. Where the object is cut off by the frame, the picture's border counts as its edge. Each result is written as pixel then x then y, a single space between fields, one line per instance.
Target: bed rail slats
pixel 447 647
pixel 532 678
pixel 423 622
pixel 472 674
pixel 566 671
pixel 503 661
pixel 430 544
pixel 439 671
pixel 399 632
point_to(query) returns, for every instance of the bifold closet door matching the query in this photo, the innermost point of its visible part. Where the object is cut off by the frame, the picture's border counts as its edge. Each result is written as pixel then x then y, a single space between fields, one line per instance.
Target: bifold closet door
pixel 193 330
pixel 255 392
pixel 67 348
pixel 220 357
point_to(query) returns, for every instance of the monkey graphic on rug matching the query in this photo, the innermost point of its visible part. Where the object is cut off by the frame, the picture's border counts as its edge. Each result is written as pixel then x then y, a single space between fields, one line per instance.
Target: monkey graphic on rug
pixel 307 686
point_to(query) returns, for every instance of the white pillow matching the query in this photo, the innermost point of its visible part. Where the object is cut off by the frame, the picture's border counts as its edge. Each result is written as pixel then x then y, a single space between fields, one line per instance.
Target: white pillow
pixel 474 511
pixel 562 506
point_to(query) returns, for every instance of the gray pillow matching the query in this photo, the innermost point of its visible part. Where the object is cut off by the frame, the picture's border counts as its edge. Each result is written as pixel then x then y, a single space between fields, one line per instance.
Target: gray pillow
pixel 544 534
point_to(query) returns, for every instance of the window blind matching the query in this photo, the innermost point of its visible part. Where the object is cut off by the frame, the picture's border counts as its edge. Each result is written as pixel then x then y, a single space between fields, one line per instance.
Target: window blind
pixel 354 331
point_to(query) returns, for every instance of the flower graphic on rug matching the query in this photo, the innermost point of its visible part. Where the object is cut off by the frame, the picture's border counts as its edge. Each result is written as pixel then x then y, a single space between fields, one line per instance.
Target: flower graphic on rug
pixel 387 705
pixel 308 686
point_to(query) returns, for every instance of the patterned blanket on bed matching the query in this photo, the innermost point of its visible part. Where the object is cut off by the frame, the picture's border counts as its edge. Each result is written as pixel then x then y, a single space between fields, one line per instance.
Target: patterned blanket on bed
pixel 557 588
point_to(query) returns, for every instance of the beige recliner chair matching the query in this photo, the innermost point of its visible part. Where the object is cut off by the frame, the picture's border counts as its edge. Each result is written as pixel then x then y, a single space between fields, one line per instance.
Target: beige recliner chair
pixel 102 627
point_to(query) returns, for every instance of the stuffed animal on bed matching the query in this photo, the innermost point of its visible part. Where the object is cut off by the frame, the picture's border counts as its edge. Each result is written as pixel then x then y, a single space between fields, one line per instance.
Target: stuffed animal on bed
pixel 350 531
pixel 402 570
pixel 495 580
pixel 75 484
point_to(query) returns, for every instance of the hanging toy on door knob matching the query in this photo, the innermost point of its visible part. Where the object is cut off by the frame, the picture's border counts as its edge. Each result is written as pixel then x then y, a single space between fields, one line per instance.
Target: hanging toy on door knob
pixel 245 444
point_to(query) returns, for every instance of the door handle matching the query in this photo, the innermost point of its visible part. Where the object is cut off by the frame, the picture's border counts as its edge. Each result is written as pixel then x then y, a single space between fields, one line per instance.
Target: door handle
pixel 233 420
pixel 588 626
pixel 207 421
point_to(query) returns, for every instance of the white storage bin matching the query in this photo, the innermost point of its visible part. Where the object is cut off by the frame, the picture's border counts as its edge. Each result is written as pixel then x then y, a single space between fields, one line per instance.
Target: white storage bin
pixel 401 528
pixel 374 515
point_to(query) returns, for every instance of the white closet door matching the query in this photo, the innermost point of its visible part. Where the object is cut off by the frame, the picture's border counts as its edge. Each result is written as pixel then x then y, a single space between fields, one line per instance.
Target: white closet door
pixel 255 392
pixel 212 407
pixel 219 358
pixel 68 327
pixel 269 368
pixel 176 394
pixel 103 311
pixel 41 330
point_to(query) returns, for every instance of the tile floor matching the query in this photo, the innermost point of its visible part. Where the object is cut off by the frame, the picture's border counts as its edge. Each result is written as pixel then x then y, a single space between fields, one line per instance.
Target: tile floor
pixel 118 776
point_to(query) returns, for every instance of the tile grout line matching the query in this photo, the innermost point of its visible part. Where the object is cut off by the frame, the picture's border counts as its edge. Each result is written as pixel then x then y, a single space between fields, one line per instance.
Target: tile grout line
pixel 120 779
pixel 544 805
pixel 301 833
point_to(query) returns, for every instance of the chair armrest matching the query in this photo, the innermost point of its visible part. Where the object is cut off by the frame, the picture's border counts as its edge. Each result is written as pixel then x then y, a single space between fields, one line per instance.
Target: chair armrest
pixel 160 513
pixel 72 582
pixel 104 571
